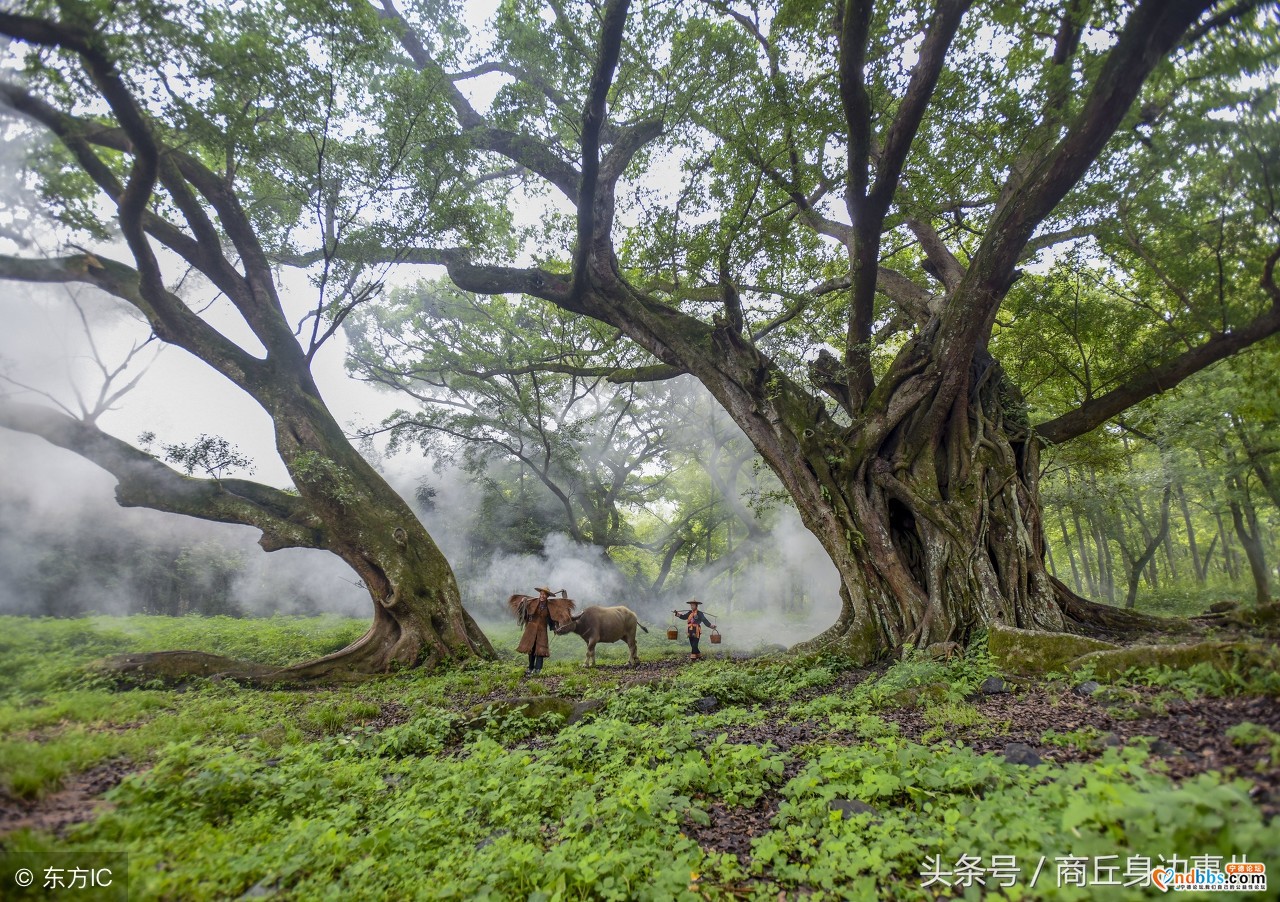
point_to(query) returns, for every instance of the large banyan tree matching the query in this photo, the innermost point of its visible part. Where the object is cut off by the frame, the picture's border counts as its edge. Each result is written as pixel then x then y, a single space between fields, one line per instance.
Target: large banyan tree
pixel 196 136
pixel 831 214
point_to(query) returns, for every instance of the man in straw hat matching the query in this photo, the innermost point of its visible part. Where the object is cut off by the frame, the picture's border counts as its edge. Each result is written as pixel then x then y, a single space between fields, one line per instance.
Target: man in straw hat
pixel 696 621
pixel 535 615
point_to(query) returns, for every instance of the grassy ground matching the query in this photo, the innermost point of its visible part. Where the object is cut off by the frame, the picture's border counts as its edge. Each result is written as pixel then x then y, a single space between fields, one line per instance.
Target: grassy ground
pixel 803 778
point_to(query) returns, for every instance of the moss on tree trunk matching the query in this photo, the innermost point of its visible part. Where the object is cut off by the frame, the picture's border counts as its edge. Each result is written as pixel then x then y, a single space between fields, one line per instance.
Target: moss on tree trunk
pixel 936 530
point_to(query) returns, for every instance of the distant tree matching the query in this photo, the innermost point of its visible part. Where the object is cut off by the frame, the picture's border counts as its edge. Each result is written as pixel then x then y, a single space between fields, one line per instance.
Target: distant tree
pixel 496 383
pixel 1212 445
pixel 517 381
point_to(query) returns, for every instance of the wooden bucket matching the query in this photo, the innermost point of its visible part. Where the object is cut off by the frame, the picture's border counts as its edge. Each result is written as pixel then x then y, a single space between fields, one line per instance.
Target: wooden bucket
pixel 673 633
pixel 715 637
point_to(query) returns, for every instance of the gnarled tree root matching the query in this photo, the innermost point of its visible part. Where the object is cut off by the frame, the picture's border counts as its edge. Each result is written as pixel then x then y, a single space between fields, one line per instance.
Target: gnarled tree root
pixel 387 645
pixel 177 667
pixel 174 668
pixel 1104 621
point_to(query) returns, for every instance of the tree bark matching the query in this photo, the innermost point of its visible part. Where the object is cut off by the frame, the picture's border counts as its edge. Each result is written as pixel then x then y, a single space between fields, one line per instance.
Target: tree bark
pixel 418 614
pixel 935 540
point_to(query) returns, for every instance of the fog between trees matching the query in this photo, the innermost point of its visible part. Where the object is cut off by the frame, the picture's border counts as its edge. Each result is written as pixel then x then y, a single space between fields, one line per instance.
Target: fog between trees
pixel 984 251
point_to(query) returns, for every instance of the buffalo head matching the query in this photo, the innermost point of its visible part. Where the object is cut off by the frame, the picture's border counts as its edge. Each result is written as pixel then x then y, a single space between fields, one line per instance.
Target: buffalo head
pixel 569 626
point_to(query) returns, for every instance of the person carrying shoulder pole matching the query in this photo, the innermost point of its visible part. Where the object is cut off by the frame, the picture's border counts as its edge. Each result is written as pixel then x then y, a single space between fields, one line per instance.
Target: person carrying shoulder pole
pixel 695 620
pixel 536 615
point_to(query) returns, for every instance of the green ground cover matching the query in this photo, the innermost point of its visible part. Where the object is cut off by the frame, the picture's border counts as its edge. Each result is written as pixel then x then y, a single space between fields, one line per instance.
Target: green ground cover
pixel 397 789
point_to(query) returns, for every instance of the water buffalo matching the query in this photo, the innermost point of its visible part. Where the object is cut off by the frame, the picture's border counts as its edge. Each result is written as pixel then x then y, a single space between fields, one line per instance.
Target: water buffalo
pixel 599 624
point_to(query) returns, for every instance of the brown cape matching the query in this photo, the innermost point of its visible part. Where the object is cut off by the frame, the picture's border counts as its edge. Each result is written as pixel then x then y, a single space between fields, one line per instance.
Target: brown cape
pixel 523 606
pixel 534 619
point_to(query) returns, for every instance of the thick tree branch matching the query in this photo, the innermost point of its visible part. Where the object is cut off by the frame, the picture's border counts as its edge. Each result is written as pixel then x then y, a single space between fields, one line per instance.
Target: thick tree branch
pixel 424 62
pixel 254 297
pixel 80 136
pixel 1153 29
pixel 506 67
pixel 868 207
pixel 863 244
pixel 803 204
pixel 1049 239
pixel 525 150
pixel 283 518
pixel 1096 411
pixel 1226 17
pixel 593 257
pixel 628 144
pixel 475 277
pixel 530 153
pixel 1067 41
pixel 914 300
pixel 855 32
pixel 172 320
pixel 911 109
pixel 942 263
pixel 252 294
pixel 911 298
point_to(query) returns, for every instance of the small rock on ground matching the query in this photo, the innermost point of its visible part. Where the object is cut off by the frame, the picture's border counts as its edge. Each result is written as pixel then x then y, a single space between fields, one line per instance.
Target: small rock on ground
pixel 1021 753
pixel 849 807
pixel 1088 687
pixel 993 686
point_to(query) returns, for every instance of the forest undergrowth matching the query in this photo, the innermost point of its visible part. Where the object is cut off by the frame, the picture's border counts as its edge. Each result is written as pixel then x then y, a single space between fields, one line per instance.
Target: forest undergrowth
pixel 741 776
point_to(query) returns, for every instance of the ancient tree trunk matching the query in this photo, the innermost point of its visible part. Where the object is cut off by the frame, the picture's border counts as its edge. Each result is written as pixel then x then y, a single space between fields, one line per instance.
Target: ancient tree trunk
pixel 937 531
pixel 417 610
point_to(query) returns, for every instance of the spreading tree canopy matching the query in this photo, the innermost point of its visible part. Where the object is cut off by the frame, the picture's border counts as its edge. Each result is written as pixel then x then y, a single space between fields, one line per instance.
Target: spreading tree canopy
pixel 834 215
pixel 197 135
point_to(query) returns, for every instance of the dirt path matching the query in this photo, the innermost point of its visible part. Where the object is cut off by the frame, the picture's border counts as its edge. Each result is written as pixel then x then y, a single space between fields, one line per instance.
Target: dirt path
pixel 78 800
